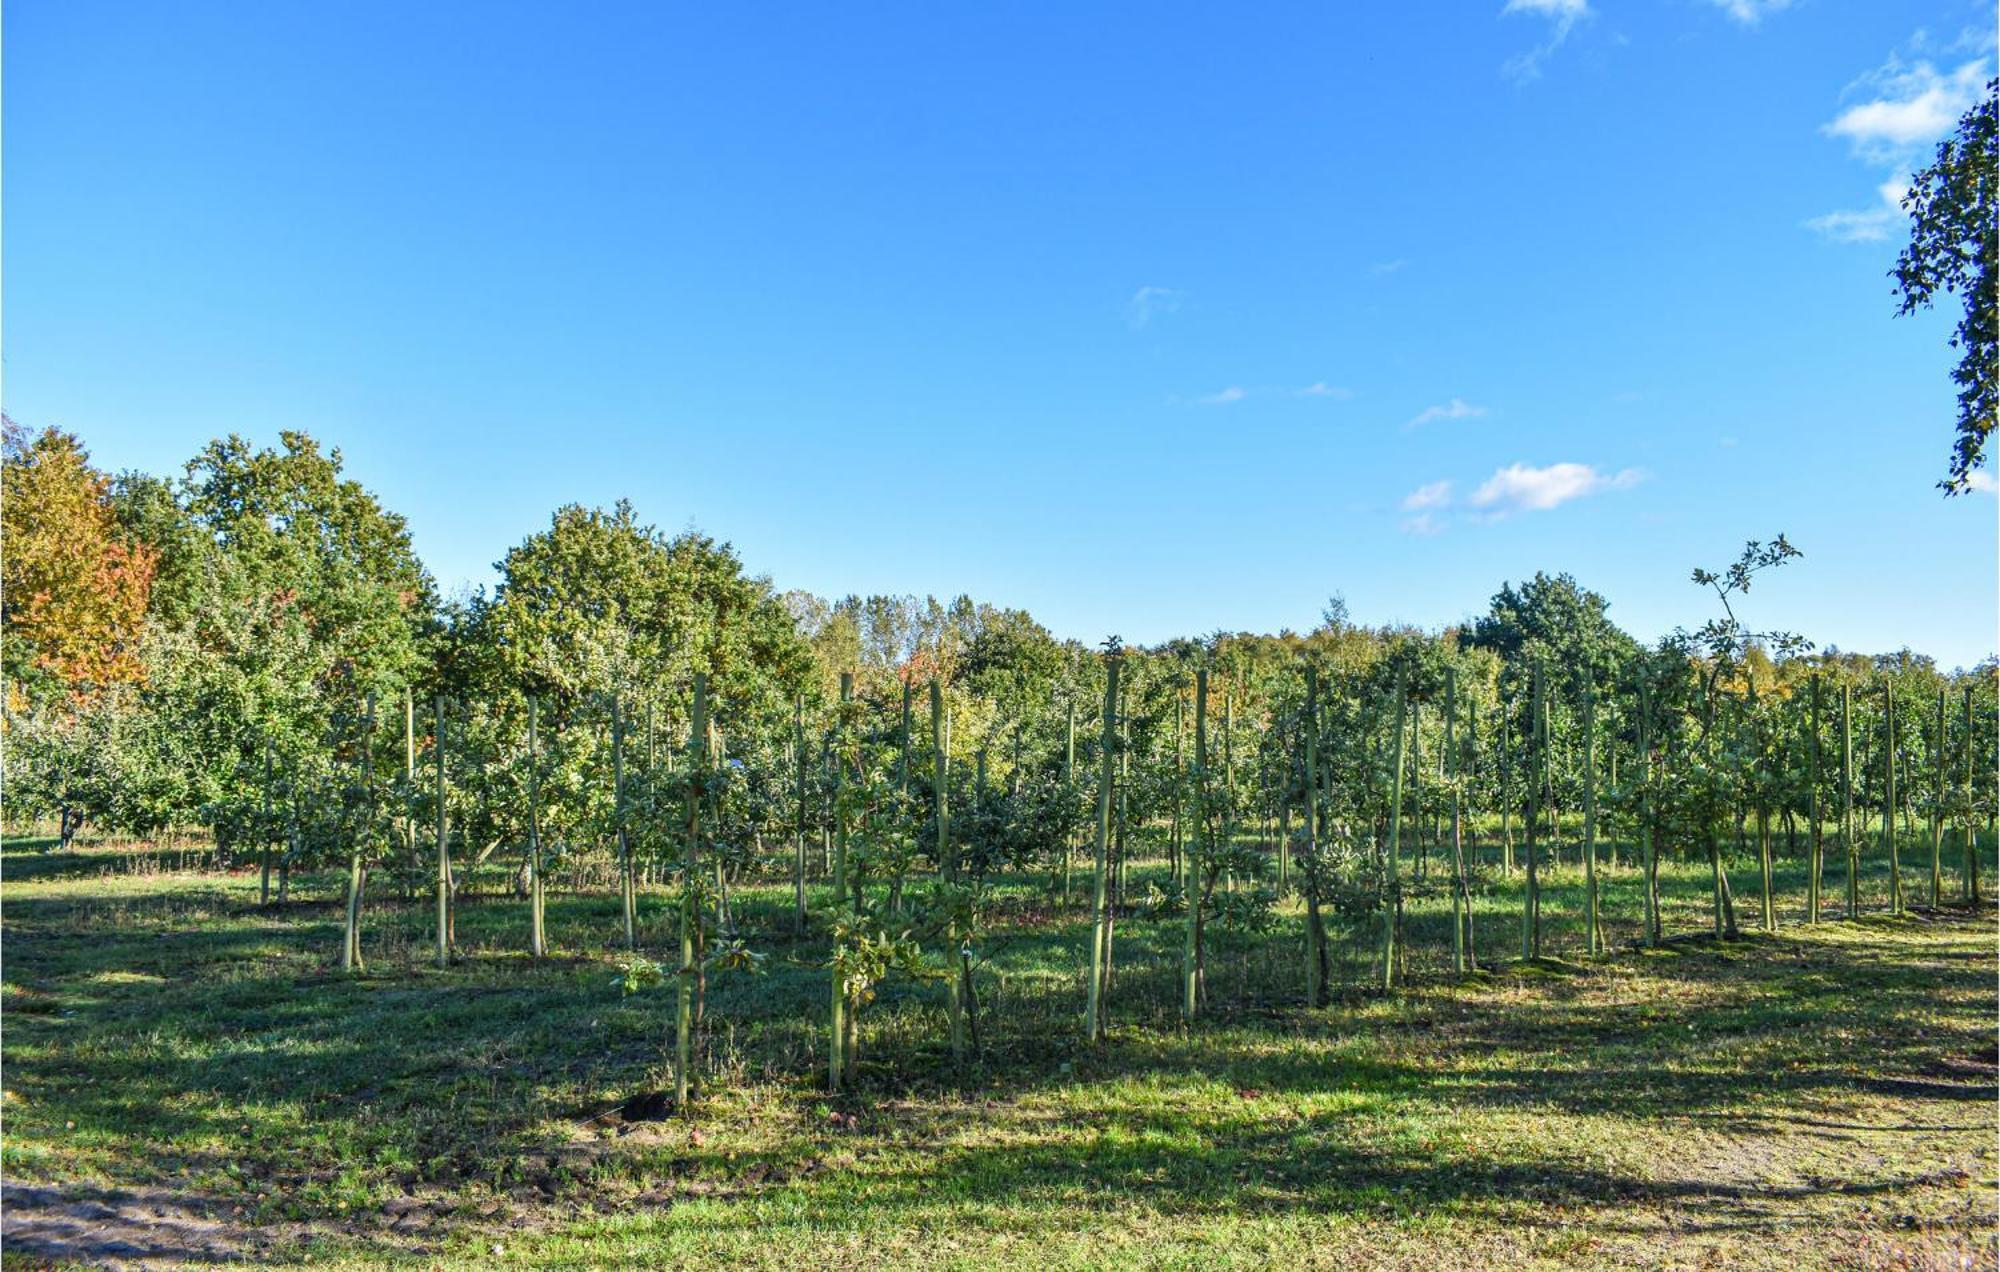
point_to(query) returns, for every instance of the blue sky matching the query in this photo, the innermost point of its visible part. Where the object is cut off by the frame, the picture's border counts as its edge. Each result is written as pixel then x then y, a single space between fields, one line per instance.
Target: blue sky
pixel 1151 319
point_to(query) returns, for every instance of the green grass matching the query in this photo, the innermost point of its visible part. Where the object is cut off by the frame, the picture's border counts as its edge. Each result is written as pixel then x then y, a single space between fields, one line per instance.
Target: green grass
pixel 1821 1097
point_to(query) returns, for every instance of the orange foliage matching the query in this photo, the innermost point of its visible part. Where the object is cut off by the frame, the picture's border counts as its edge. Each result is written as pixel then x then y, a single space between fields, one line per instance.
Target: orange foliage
pixel 72 588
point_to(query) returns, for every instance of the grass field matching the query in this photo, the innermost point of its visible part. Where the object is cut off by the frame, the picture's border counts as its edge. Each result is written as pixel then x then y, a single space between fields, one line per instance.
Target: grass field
pixel 187 1074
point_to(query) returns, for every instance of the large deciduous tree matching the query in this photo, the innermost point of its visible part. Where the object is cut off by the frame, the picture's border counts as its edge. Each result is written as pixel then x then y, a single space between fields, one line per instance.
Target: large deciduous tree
pixel 73 585
pixel 1955 249
pixel 1554 622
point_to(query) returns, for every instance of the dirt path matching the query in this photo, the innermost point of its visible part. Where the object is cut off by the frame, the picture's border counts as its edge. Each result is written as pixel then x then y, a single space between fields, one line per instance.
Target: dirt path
pixel 117 1228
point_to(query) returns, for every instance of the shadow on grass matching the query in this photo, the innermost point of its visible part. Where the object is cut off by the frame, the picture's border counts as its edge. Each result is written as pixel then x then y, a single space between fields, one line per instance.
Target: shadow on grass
pixel 213 1032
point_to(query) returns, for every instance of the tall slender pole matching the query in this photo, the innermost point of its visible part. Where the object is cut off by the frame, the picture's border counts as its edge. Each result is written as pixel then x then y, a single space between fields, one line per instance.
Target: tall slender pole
pixel 839 784
pixel 799 814
pixel 1392 899
pixel 1229 771
pixel 443 840
pixel 947 851
pixel 1315 924
pixel 1768 914
pixel 1592 918
pixel 628 887
pixel 1531 898
pixel 350 957
pixel 264 832
pixel 1647 827
pixel 690 913
pixel 1889 796
pixel 1417 784
pixel 1506 743
pixel 1460 900
pixel 1094 1008
pixel 903 746
pixel 1069 785
pixel 1817 866
pixel 1969 881
pixel 1848 843
pixel 537 937
pixel 1943 767
pixel 1198 860
pixel 947 858
pixel 1178 830
pixel 409 777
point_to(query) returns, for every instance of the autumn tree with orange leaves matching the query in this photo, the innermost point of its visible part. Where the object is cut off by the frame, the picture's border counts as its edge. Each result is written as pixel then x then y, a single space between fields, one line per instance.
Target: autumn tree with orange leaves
pixel 73 589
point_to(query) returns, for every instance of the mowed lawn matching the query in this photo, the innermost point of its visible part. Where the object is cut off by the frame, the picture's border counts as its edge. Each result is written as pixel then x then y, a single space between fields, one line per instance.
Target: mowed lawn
pixel 188 1074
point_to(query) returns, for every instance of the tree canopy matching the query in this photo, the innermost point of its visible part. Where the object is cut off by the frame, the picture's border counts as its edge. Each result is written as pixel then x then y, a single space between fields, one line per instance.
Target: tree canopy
pixel 1954 249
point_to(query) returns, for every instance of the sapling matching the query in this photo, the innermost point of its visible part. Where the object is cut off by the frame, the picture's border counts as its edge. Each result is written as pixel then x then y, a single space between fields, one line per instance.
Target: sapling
pixel 1593 930
pixel 839 783
pixel 1461 902
pixel 1850 845
pixel 538 940
pixel 1531 896
pixel 690 915
pixel 1942 768
pixel 443 842
pixel 1969 881
pixel 1203 850
pixel 264 831
pixel 947 858
pixel 1889 796
pixel 1069 785
pixel 1767 914
pixel 357 872
pixel 1094 1007
pixel 1392 898
pixel 1177 834
pixel 799 807
pixel 628 888
pixel 1648 823
pixel 409 791
pixel 1506 793
pixel 1316 968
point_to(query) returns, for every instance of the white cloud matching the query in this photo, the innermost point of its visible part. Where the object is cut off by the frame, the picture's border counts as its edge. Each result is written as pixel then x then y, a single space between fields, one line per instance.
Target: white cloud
pixel 1559 10
pixel 1561 15
pixel 1149 303
pixel 1750 12
pixel 1456 409
pixel 1912 105
pixel 1908 105
pixel 1387 267
pixel 1234 393
pixel 1321 389
pixel 1982 481
pixel 1525 488
pixel 1423 523
pixel 1434 495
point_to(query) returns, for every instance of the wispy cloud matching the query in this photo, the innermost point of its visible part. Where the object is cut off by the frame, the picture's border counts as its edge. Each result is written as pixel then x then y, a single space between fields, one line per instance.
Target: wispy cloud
pixel 1561 15
pixel 1235 393
pixel 1865 225
pixel 1456 409
pixel 1321 389
pixel 1526 488
pixel 1905 104
pixel 1982 481
pixel 1149 303
pixel 1426 506
pixel 1434 495
pixel 1750 12
pixel 1387 267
